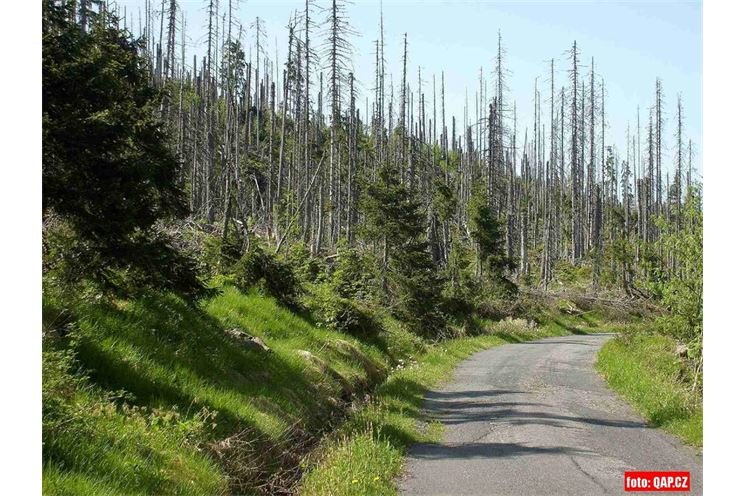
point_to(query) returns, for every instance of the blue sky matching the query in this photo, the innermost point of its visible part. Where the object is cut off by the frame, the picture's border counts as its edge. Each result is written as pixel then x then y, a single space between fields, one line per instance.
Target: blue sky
pixel 633 42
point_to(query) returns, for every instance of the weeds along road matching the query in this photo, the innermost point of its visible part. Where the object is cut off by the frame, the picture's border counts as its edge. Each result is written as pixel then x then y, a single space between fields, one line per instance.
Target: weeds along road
pixel 536 419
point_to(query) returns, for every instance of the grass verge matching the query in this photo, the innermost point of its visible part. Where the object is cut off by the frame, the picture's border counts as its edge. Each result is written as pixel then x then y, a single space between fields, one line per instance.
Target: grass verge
pixel 367 452
pixel 645 370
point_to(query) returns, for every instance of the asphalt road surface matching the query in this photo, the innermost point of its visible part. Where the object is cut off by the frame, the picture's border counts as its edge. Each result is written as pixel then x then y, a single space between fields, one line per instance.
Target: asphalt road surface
pixel 536 419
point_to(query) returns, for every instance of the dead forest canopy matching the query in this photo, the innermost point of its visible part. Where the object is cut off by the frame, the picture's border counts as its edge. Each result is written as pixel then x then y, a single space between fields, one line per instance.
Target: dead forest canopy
pixel 162 170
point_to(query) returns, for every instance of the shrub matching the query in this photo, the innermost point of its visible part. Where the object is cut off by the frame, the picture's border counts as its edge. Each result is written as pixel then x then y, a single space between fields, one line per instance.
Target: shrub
pixel 455 302
pixel 219 255
pixel 494 309
pixel 342 313
pixel 416 289
pixel 515 327
pixel 257 268
pixel 461 292
pixel 680 285
pixel 107 170
pixel 354 274
pixel 499 285
pixel 72 262
pixel 307 267
pixel 569 275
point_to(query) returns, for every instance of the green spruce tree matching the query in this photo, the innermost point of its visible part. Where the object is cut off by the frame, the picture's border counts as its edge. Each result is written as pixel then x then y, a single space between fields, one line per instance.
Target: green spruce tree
pixel 488 234
pixel 108 174
pixel 409 277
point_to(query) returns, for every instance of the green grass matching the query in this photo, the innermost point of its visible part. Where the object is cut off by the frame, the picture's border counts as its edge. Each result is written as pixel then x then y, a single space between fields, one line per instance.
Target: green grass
pixel 93 446
pixel 644 369
pixel 150 396
pixel 366 453
pixel 163 387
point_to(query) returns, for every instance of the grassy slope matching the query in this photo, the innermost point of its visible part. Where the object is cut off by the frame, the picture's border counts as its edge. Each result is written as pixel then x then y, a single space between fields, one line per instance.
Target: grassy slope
pixel 366 454
pixel 189 385
pixel 166 403
pixel 645 370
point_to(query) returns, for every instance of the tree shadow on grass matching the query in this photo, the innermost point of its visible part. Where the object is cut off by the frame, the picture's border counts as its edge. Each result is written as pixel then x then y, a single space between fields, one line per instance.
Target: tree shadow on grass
pixel 571 328
pixel 167 353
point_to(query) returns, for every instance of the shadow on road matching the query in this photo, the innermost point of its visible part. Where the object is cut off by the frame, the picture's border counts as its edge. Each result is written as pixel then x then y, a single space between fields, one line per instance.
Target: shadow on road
pixel 461 407
pixel 475 393
pixel 486 450
pixel 511 416
pixel 554 343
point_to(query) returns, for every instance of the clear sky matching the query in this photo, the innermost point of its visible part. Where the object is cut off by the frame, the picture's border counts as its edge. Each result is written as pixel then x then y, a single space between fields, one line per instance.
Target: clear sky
pixel 632 41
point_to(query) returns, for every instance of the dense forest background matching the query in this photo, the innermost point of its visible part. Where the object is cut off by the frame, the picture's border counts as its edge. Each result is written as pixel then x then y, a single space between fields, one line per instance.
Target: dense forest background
pixel 233 169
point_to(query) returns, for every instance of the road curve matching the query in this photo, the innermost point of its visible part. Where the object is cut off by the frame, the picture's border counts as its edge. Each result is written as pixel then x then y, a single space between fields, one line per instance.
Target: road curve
pixel 536 419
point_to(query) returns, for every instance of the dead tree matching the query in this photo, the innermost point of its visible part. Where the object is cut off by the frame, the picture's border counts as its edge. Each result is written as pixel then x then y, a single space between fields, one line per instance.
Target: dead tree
pixel 576 164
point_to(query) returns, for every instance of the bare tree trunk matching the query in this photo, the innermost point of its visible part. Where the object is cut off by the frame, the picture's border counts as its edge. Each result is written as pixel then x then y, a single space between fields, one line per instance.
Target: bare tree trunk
pixel 576 190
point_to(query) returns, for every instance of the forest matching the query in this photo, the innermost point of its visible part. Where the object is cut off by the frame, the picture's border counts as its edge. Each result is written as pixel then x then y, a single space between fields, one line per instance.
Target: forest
pixel 183 196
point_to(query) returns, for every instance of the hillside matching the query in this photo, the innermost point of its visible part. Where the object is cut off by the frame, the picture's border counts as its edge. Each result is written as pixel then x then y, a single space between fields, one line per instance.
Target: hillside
pixel 152 395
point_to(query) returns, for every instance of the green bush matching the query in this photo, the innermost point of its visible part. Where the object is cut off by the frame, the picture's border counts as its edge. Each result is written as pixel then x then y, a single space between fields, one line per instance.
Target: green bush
pixel 340 313
pixel 461 291
pixel 494 309
pixel 337 302
pixel 72 262
pixel 679 284
pixel 416 290
pixel 455 302
pixel 257 268
pixel 498 284
pixel 354 274
pixel 307 267
pixel 108 173
pixel 569 275
pixel 515 327
pixel 219 255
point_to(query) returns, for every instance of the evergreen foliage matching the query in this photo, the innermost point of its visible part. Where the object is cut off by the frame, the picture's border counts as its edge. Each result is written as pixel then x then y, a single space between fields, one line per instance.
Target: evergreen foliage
pixel 409 275
pixel 108 171
pixel 380 236
pixel 680 286
pixel 257 268
pixel 488 234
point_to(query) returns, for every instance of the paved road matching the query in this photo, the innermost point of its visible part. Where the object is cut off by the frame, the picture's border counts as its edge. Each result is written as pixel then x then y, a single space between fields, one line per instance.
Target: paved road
pixel 536 419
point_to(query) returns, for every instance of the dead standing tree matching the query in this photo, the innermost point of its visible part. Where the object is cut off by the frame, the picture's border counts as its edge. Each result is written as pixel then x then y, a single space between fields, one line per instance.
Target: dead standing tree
pixel 576 163
pixel 248 145
pixel 337 52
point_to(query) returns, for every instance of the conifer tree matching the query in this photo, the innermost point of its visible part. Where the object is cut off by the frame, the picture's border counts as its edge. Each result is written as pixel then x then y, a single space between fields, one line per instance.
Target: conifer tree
pixel 107 168
pixel 395 219
pixel 487 233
